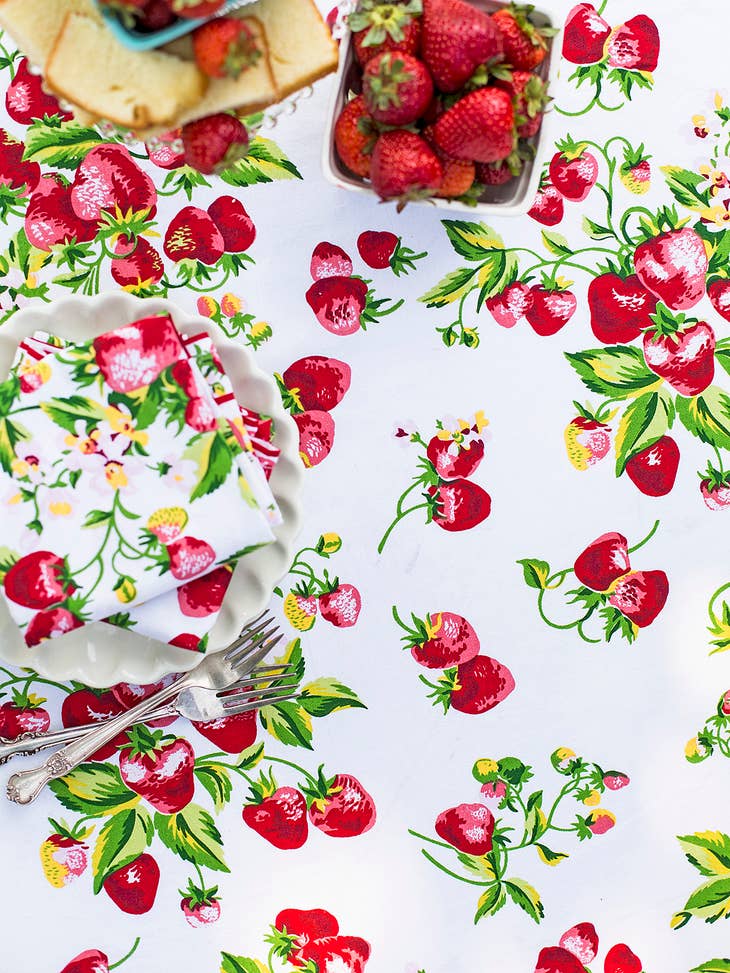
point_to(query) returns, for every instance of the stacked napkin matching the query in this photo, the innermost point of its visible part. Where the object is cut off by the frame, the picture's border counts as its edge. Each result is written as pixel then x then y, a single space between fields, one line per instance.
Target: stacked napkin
pixel 131 481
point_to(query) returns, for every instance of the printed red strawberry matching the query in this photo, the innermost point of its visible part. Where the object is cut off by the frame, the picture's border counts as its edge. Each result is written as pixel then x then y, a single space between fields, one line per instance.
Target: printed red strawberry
pixel 548 207
pixel 377 27
pixel 403 166
pixel 529 100
pixel 681 351
pixel 26 100
pixel 510 305
pixel 581 941
pixel 201 415
pixel 64 855
pixel 620 308
pixel 605 560
pixel 90 961
pixel 189 557
pixel 192 235
pixel 584 35
pixel 620 959
pixel 235 225
pixel 314 383
pixel 14 171
pixel 204 596
pixel 231 734
pixel 555 959
pixel 195 9
pixel 640 596
pixel 479 127
pixel 88 706
pixel 459 505
pixel 440 640
pixel 137 265
pixel 653 469
pixel 455 457
pixel 634 46
pixel 673 266
pixel 524 44
pixel 166 150
pixel 329 260
pixel 38 580
pixel 551 308
pixel 200 906
pixel 475 686
pixel 214 143
pixel 381 249
pixel 573 169
pixel 108 179
pixel 467 827
pixel 715 488
pixel 355 136
pixel 340 605
pixel 134 887
pixel 719 294
pixel 456 39
pixel 340 806
pixel 338 303
pixel 316 436
pixel 158 768
pixel 278 814
pixel 304 925
pixel 50 624
pixel 129 694
pixel 347 954
pixel 397 88
pixel 50 220
pixel 24 714
pixel 635 170
pixel 155 15
pixel 135 355
pixel 225 47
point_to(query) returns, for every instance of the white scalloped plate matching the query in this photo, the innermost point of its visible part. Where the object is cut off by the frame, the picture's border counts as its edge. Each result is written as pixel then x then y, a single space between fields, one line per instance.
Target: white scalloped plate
pixel 101 655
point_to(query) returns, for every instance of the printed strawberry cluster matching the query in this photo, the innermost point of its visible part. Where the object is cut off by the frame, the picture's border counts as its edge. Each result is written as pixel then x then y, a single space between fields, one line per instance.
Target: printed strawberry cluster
pixel 446 99
pixel 578 946
pixel 714 735
pixel 337 602
pixel 310 388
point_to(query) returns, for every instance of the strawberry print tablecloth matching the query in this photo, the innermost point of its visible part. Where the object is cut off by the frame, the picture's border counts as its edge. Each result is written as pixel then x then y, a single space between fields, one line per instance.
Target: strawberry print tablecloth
pixel 510 605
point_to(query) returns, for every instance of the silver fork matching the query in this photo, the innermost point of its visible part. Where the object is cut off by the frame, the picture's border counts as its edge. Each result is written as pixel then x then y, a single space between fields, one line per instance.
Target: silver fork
pixel 217 671
pixel 195 704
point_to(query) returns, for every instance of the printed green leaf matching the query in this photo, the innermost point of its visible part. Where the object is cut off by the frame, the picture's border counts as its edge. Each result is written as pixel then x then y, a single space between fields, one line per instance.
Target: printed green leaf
pixel 95 518
pixel 11 433
pixel 451 288
pixel 241 964
pixel 556 243
pixel 482 866
pixel 645 420
pixel 710 901
pixel 192 835
pixel 490 902
pixel 327 695
pixel 122 839
pixel 214 461
pixel 264 162
pixel 9 394
pixel 61 145
pixel 534 823
pixel 497 271
pixel 618 372
pixel 216 779
pixel 535 572
pixel 707 416
pixel 719 250
pixel 474 241
pixel 684 186
pixel 251 756
pixel 722 356
pixel 712 966
pixel 708 851
pixel 526 897
pixel 288 722
pixel 94 790
pixel 76 408
pixel 549 857
pixel 595 231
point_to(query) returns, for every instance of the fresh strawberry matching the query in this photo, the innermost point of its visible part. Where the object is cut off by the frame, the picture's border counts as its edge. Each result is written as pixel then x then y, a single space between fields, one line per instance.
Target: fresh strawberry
pixel 26 99
pixel 50 219
pixel 38 580
pixel 377 26
pixel 479 127
pixel 214 143
pixel 381 248
pixel 232 734
pixel 166 150
pixel 234 223
pixel 90 961
pixel 355 136
pixel 584 35
pixel 653 469
pixel 108 179
pixel 459 505
pixel 224 47
pixel 200 906
pixel 529 100
pixel 587 441
pixel 195 9
pixel 715 488
pixel 397 88
pixel 338 303
pixel 458 177
pixel 573 170
pixel 159 769
pixel 581 941
pixel 500 173
pixel 403 167
pixel 640 596
pixel 134 887
pixel 510 305
pixel 477 686
pixel 329 260
pixel 315 383
pixel 135 357
pixel 456 39
pixel 548 207
pixel 467 827
pixel 673 266
pixel 23 715
pixel 50 624
pixel 204 596
pixel 455 458
pixel 550 310
pixel 340 806
pixel 555 959
pixel 189 557
pixel 192 235
pixel 620 308
pixel 155 15
pixel 340 605
pixel 85 706
pixel 347 954
pixel 719 294
pixel 605 560
pixel 279 816
pixel 681 352
pixel 620 959
pixel 136 265
pixel 634 46
pixel 126 9
pixel 14 171
pixel 300 608
pixel 63 858
pixel 316 436
pixel 440 640
pixel 635 170
pixel 524 44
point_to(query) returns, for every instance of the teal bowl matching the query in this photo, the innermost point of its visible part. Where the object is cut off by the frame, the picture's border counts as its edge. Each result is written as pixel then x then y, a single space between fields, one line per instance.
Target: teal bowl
pixel 140 41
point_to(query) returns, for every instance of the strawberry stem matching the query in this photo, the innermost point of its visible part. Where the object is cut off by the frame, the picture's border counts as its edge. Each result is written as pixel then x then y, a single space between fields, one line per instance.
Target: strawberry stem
pixel 400 516
pixel 646 539
pixel 124 959
pixel 443 868
pixel 288 763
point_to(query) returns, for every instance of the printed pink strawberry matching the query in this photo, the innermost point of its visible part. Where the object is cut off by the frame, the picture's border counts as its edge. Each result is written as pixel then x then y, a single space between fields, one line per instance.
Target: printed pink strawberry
pixel 192 235
pixel 397 88
pixel 134 887
pixel 232 734
pixel 467 827
pixel 681 351
pixel 440 640
pixel 640 596
pixel 158 768
pixel 555 959
pixel 620 308
pixel 214 143
pixel 315 383
pixel 133 356
pixel 235 225
pixel 338 303
pixel 204 596
pixel 108 179
pixel 301 606
pixel 456 39
pixel 64 856
pixel 200 906
pixel 381 248
pixel 316 436
pixel 476 686
pixel 459 505
pixel 189 557
pixel 604 561
pixel 201 415
pixel 329 260
pixel 719 294
pixel 510 305
pixel 90 961
pixel 582 941
pixel 584 35
pixel 348 954
pixel 24 714
pixel 340 604
pixel 85 706
pixel 137 265
pixel 14 171
pixel 166 150
pixel 26 100
pixel 620 959
pixel 38 580
pixel 278 814
pixel 182 373
pixel 634 46
pixel 614 780
pixel 673 266
pixel 635 171
pixel 715 488
pixel 50 219
pixel 653 469
pixel 587 440
pixel 186 640
pixel 50 624
pixel 573 169
pixel 340 806
pixel 548 207
pixel 551 308
pixel 455 457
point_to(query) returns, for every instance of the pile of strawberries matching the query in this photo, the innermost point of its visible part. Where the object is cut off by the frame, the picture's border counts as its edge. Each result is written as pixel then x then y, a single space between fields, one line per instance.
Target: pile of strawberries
pixel 448 97
pixel 147 16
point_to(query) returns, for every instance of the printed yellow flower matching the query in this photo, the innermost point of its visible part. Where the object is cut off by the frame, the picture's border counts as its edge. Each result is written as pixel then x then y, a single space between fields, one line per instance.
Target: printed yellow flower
pixel 699 123
pixel 230 304
pixel 718 216
pixel 716 177
pixel 123 424
pixel 85 444
pixel 719 100
pixel 115 475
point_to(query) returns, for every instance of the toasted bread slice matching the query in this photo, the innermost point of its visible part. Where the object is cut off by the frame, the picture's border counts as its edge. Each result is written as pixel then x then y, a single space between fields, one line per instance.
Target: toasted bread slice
pixel 134 89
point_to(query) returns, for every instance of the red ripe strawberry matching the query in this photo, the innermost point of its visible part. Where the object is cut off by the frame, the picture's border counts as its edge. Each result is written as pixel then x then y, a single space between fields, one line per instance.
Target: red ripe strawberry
pixel 134 887
pixel 166 150
pixel 640 596
pixel 548 207
pixel 498 173
pixel 341 807
pixel 403 166
pixel 192 235
pixel 158 769
pixel 23 715
pixel 329 260
pixel 25 99
pixel 109 179
pixel 440 640
pixel 377 27
pixel 137 265
pixel 673 266
pixel 355 136
pixel 232 734
pixel 555 959
pixel 654 469
pixel 348 954
pixel 340 605
pixel 468 827
pixel 524 45
pixel 316 436
pixel 195 9
pixel 620 308
pixel 684 357
pixel 200 906
pixel 719 294
pixel 38 580
pixel 87 706
pixel 14 171
pixel 481 684
pixel 214 143
pixel 573 170
pixel 189 557
pixel 551 309
pixel 338 302
pixel 204 596
pixel 454 460
pixel 479 127
pixel 280 817
pixel 224 47
pixel 584 35
pixel 456 39
pixel 234 223
pixel 50 624
pixel 381 248
pixel 459 505
pixel 587 441
pixel 604 561
pixel 306 924
pixel 620 959
pixel 50 220
pixel 634 46
pixel 510 305
pixel 529 100
pixel 90 961
pixel 135 356
pixel 458 178
pixel 156 15
pixel 315 382
pixel 397 88
pixel 581 941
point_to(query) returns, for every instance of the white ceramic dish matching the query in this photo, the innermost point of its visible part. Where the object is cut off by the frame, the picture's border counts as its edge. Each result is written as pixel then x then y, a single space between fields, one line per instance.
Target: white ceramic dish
pixel 99 654
pixel 513 199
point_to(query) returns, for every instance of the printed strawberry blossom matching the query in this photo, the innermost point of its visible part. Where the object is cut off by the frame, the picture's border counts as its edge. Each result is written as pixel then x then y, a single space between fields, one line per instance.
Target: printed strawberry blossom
pixel 484 844
pixel 337 602
pixel 234 320
pixel 622 600
pixel 310 389
pixel 714 737
pixel 97 961
pixel 709 853
pixel 578 946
